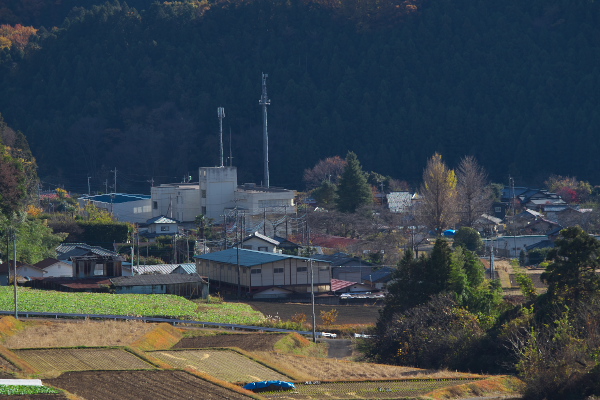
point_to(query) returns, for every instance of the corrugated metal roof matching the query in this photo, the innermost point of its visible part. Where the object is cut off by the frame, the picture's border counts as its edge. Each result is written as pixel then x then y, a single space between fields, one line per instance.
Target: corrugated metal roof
pixel 189 268
pixel 116 198
pixel 154 269
pixel 338 284
pixel 161 219
pixel 247 258
pixel 141 280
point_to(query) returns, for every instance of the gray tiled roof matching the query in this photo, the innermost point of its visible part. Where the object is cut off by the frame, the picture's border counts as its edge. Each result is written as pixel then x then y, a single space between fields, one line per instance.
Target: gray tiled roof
pixel 67 250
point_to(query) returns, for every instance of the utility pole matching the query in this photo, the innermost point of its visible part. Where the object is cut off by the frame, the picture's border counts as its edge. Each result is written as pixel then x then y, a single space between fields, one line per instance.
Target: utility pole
pixel 264 102
pixel 221 114
pixel 115 185
pixel 14 236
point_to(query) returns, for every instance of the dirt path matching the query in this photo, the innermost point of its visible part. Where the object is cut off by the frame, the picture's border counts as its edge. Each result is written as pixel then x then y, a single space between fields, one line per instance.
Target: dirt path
pixel 338 348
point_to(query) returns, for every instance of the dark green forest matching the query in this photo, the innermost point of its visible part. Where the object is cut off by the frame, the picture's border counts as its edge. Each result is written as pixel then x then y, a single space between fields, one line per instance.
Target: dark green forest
pixel 515 84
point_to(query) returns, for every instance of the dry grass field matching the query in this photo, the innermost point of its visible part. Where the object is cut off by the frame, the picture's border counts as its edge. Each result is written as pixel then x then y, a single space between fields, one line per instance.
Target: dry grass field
pixel 41 334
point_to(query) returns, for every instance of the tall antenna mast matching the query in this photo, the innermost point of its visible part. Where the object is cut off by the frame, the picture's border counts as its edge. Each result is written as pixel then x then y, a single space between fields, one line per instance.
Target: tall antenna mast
pixel 230 154
pixel 264 102
pixel 221 114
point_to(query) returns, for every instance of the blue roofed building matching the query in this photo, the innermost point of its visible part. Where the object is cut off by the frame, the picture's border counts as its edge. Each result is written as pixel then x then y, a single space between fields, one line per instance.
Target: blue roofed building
pixel 135 208
pixel 257 271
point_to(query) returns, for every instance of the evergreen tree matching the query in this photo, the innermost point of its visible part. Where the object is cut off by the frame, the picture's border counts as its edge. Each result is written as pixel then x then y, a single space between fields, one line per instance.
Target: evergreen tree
pixel 353 190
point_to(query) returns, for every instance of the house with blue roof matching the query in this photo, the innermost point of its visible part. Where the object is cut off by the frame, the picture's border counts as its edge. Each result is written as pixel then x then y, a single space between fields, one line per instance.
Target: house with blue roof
pixel 257 271
pixel 134 208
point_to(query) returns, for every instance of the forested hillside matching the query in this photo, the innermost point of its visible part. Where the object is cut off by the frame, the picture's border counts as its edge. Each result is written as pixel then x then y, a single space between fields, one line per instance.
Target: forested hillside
pixel 516 84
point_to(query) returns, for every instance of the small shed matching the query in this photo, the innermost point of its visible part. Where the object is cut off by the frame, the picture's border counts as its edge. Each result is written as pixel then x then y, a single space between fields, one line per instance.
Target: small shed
pixel 187 268
pixel 189 286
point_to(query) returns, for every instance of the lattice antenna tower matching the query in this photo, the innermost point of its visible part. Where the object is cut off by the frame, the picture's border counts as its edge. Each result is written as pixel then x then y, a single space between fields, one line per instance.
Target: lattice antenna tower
pixel 221 114
pixel 264 102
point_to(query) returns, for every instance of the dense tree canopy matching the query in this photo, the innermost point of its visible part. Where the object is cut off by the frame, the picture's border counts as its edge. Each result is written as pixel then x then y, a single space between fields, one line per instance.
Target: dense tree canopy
pixel 513 83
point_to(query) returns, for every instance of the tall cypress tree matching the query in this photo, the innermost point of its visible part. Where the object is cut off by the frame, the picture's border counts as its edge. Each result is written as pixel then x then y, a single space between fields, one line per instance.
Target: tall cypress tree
pixel 354 190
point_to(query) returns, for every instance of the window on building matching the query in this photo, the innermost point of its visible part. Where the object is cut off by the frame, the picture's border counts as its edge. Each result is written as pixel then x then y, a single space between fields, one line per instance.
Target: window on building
pixel 278 270
pixel 164 228
pixel 261 248
pixel 301 269
pixel 155 205
pixel 247 247
pixel 203 193
pixel 203 210
pixel 255 271
pixel 498 209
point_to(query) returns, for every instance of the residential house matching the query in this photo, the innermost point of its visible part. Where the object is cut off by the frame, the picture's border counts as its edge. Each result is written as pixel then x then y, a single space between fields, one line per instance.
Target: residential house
pixel 54 268
pixel 541 226
pixel 135 208
pixel 346 267
pixel 256 271
pixel 511 246
pixel 287 246
pixel 23 270
pixel 379 278
pixel 161 226
pixel 90 261
pixel 488 225
pixel 260 242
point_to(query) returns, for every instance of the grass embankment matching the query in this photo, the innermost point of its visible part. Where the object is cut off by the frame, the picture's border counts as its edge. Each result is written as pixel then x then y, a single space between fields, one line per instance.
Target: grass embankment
pixel 147 305
pixel 499 385
pixel 164 336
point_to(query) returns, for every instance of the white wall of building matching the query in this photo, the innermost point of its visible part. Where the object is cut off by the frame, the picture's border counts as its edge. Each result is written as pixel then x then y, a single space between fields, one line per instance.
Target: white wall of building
pixel 514 244
pixel 217 188
pixel 179 201
pixel 256 199
pixel 291 273
pixel 135 211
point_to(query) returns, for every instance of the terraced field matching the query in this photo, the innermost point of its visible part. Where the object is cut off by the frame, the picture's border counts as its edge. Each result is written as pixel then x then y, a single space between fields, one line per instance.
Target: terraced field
pixel 227 365
pixel 141 385
pixel 365 390
pixel 59 360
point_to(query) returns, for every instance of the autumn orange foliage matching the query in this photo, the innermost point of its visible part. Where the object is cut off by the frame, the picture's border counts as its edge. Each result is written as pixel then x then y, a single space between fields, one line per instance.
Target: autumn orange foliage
pixel 17 35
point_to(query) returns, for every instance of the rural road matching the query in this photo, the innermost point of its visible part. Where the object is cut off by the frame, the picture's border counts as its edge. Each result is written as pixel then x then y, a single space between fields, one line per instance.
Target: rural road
pixel 338 348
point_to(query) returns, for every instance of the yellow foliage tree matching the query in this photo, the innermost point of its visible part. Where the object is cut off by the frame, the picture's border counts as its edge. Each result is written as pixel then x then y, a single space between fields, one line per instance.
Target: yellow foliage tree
pixel 437 208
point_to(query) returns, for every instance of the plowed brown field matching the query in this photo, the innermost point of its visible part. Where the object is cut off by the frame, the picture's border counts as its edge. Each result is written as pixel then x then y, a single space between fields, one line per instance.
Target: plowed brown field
pixel 141 385
pixel 248 342
pixel 354 314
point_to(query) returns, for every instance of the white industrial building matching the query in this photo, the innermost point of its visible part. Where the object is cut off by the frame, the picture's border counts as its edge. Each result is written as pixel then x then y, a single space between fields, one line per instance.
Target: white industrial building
pixel 217 192
pixel 135 208
pixel 179 201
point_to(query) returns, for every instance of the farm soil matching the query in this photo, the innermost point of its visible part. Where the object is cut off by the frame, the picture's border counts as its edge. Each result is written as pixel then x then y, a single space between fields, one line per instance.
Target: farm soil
pixel 350 315
pixel 247 342
pixel 140 385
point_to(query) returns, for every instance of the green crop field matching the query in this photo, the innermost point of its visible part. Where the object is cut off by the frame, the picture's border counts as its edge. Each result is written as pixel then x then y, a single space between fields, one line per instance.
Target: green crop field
pixel 365 390
pixel 14 390
pixel 148 305
pixel 227 365
pixel 48 360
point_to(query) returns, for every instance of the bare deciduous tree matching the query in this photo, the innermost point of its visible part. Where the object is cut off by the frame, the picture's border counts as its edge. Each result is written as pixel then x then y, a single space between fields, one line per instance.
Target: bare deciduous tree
pixel 474 193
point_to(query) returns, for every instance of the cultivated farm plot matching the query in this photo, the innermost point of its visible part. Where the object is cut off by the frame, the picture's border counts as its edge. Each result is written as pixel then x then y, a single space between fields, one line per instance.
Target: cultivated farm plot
pixel 226 365
pixel 365 390
pixel 47 360
pixel 141 385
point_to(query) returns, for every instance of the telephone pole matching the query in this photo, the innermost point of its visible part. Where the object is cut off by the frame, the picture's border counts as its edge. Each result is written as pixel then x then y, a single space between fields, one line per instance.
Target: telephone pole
pixel 264 102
